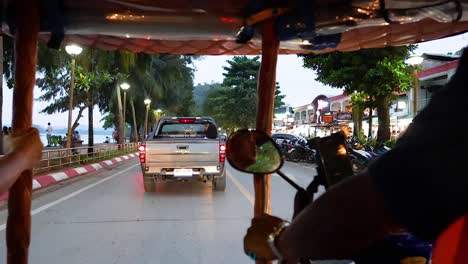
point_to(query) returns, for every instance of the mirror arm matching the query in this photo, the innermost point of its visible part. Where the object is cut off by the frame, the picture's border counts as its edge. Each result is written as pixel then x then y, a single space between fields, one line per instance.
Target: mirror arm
pixel 287 179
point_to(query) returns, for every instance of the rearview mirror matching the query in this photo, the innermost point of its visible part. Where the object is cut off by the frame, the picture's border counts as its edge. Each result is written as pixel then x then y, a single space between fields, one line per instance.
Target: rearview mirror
pixel 253 151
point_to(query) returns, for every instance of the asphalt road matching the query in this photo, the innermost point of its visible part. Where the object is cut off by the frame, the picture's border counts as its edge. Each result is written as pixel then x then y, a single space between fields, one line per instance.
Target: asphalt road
pixel 106 217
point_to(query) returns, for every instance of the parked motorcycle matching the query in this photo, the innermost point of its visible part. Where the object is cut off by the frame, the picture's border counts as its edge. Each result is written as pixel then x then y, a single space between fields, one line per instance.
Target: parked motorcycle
pixel 295 150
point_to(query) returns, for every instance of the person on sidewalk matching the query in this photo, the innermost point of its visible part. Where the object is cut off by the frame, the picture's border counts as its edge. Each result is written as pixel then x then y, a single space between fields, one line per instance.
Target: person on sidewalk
pixel 49 131
pixel 23 153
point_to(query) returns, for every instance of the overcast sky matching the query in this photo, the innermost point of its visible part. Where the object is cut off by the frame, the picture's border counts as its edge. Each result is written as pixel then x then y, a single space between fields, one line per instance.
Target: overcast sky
pixel 297 83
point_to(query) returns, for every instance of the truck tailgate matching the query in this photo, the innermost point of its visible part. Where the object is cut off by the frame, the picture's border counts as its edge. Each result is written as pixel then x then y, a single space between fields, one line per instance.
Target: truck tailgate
pixel 182 153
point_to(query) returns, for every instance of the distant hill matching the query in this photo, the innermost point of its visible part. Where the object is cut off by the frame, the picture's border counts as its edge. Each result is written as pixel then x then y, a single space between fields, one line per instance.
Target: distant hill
pixel 39 127
pixel 82 129
pixel 200 91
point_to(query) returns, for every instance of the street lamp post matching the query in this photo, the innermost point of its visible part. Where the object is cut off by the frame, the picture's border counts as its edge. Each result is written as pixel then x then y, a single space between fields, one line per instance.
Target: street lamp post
pixel 309 119
pixel 159 113
pixel 147 103
pixel 415 61
pixel 73 50
pixel 124 86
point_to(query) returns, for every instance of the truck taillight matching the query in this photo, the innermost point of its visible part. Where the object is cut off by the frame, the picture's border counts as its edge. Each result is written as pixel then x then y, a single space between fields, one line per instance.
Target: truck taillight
pixel 222 152
pixel 186 120
pixel 142 149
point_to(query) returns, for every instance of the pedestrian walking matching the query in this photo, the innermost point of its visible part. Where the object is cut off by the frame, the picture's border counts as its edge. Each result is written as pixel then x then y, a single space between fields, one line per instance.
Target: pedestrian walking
pixel 49 131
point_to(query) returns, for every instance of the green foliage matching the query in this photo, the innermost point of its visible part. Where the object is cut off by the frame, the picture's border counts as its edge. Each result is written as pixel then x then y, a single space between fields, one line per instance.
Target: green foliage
pixel 235 104
pixel 372 142
pixel 390 143
pixel 370 76
pixel 362 138
pixel 108 121
pixel 200 92
pixel 268 159
pixel 373 71
pixel 8 54
pixel 166 79
pixel 55 140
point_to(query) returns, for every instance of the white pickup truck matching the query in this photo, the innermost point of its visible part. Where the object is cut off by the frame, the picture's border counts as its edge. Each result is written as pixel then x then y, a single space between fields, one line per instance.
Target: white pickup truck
pixel 183 148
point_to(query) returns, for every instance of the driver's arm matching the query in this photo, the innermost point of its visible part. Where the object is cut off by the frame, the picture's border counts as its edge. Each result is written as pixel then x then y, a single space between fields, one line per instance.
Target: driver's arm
pixel 348 218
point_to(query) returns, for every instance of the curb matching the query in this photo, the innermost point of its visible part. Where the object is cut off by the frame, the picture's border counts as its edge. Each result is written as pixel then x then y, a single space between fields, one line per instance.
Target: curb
pixel 41 181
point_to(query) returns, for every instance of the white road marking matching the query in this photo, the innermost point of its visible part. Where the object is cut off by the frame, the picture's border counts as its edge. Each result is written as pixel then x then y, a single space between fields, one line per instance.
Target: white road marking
pixel 73 194
pixel 108 162
pixel 241 188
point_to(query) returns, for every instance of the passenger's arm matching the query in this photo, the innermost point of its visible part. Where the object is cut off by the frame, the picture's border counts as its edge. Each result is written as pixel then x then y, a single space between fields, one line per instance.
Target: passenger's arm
pixel 26 152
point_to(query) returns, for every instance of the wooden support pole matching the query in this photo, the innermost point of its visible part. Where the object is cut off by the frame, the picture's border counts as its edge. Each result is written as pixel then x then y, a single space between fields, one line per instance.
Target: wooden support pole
pixel 415 92
pixel 266 102
pixel 18 229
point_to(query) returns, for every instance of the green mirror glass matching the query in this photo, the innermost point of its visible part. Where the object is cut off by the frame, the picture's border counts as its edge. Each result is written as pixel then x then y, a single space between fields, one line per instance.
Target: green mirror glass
pixel 253 152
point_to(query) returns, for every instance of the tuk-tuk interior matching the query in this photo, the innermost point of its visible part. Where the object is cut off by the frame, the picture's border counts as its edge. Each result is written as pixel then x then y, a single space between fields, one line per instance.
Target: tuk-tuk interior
pixel 209 27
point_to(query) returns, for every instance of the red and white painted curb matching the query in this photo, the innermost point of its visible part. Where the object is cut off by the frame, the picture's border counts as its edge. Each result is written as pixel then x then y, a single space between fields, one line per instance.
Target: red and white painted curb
pixel 42 181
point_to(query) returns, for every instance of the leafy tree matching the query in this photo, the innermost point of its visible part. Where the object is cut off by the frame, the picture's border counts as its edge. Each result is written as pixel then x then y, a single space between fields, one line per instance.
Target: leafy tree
pixel 166 79
pixel 200 92
pixel 216 104
pixel 235 104
pixel 91 77
pixel 377 73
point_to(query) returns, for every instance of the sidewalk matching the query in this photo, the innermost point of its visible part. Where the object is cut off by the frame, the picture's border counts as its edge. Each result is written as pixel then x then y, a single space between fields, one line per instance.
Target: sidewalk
pixel 41 181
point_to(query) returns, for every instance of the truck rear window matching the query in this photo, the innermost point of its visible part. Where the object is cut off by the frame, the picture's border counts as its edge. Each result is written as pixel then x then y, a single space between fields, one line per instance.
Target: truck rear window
pixel 195 130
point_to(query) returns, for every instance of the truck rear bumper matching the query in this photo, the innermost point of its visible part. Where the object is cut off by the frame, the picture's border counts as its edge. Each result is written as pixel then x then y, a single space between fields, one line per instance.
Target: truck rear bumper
pixel 206 173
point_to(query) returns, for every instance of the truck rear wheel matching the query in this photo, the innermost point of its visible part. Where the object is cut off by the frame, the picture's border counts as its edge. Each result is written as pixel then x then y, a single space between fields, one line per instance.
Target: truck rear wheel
pixel 219 183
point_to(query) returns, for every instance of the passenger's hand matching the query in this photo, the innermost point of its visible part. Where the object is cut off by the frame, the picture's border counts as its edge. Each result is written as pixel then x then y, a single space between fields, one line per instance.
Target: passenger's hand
pixel 255 241
pixel 29 146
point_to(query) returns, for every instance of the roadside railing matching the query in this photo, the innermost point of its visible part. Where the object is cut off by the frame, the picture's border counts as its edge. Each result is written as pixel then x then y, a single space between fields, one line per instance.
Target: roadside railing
pixel 55 159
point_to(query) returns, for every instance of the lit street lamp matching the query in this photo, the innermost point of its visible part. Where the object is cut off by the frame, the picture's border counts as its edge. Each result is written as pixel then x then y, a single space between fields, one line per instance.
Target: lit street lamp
pixel 124 86
pixel 415 61
pixel 159 113
pixel 147 103
pixel 73 50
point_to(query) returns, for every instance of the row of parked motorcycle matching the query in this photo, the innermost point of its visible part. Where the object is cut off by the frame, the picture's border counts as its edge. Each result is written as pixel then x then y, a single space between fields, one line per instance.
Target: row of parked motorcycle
pixel 362 154
pixel 295 148
pixel 299 149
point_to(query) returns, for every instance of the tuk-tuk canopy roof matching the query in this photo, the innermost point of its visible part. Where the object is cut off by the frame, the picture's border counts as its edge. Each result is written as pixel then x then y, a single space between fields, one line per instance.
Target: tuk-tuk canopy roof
pixel 209 27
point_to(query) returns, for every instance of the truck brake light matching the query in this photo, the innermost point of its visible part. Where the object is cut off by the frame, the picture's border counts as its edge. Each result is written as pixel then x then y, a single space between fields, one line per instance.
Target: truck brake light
pixel 186 120
pixel 222 152
pixel 142 149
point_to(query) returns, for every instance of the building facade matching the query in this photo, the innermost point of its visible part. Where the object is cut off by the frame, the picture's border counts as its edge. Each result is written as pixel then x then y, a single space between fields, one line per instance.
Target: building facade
pixel 326 111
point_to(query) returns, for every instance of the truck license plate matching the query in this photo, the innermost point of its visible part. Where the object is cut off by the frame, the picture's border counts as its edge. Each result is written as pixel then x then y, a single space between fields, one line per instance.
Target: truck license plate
pixel 183 172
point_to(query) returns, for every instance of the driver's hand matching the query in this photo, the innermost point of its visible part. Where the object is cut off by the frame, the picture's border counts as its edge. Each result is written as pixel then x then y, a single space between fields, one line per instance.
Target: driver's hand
pixel 255 241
